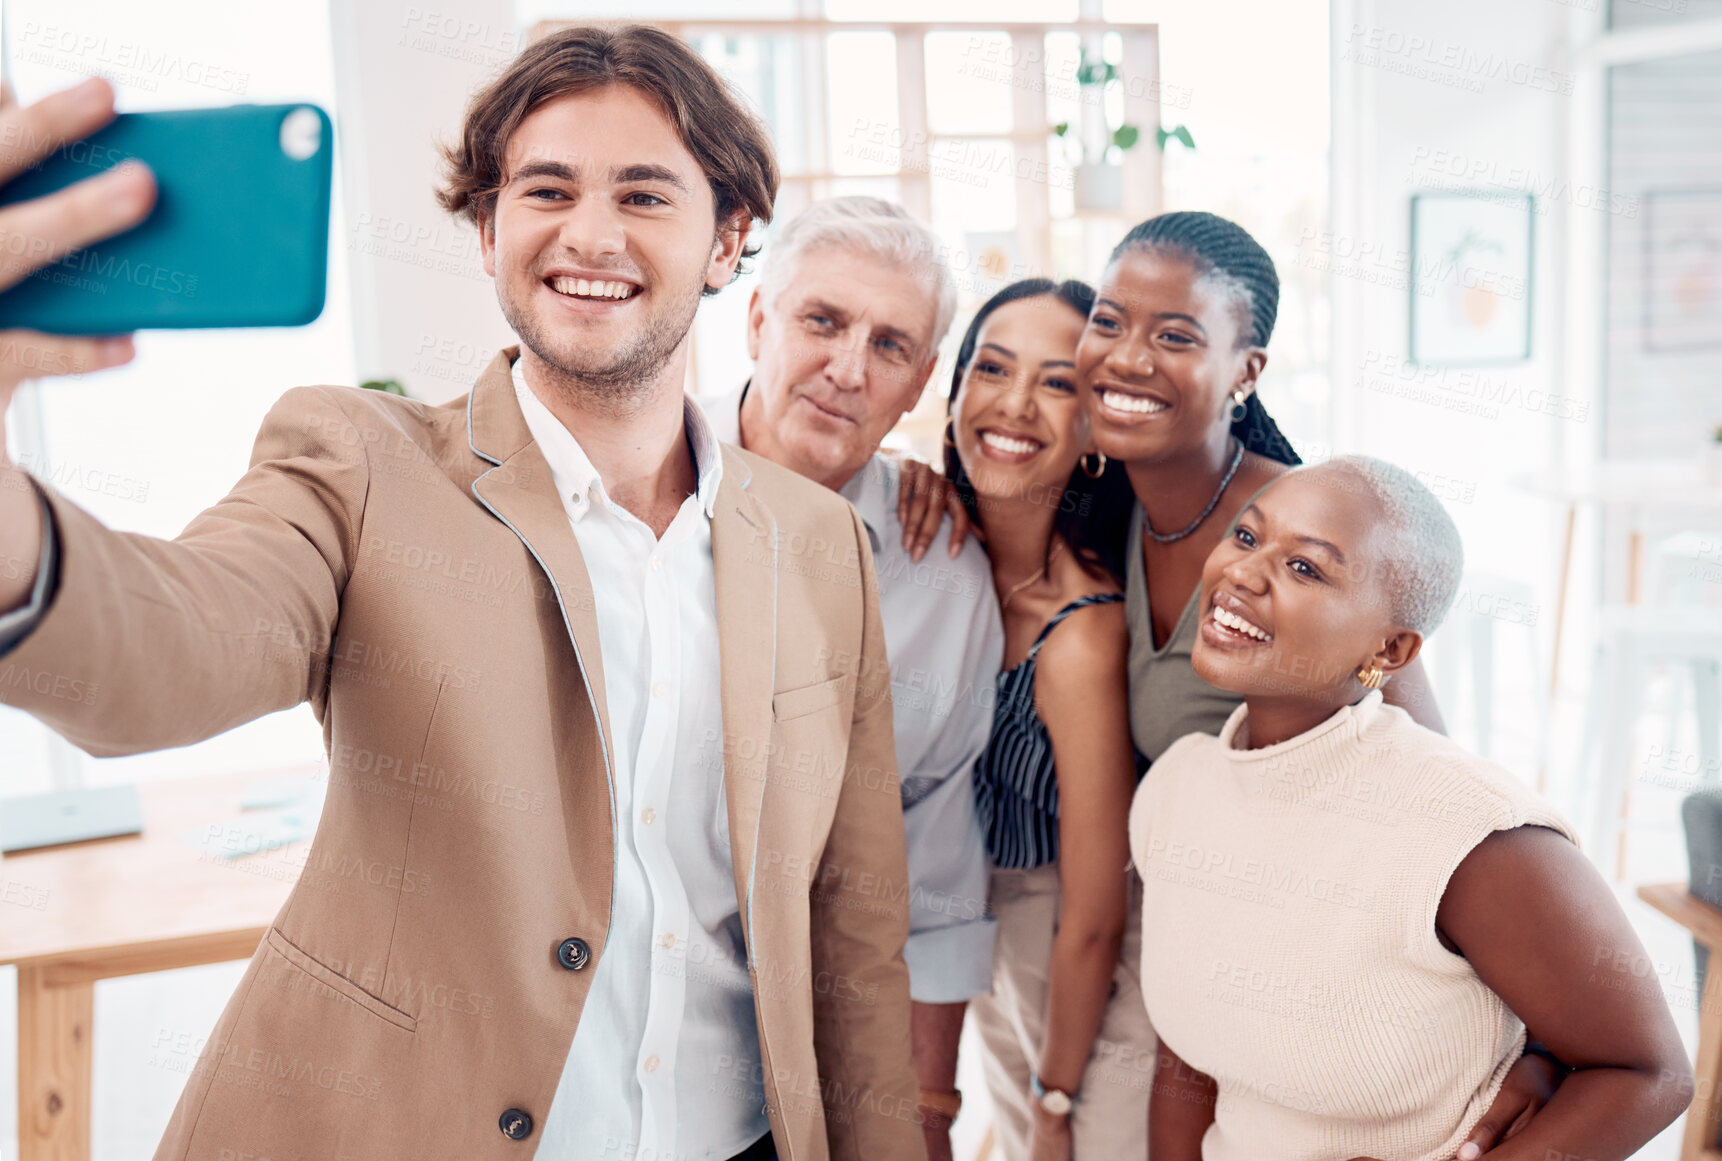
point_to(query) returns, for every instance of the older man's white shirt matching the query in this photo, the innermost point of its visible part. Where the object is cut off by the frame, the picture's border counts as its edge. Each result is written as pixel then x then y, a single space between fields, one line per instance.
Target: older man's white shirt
pixel 945 642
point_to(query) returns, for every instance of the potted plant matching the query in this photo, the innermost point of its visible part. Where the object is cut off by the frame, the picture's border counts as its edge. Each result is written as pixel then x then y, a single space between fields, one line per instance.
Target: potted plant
pixel 1096 149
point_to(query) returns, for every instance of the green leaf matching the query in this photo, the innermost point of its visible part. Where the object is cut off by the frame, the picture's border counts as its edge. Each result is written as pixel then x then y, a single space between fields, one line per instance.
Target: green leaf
pixel 386 386
pixel 1181 134
pixel 1125 136
pixel 1060 129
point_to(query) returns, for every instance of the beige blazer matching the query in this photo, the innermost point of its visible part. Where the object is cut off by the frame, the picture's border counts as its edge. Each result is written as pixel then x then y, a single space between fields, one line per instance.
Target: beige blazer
pixel 409 570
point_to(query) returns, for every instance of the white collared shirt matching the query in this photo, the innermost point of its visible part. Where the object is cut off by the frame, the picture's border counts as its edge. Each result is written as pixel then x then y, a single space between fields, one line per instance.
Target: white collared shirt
pixel 945 642
pixel 665 1062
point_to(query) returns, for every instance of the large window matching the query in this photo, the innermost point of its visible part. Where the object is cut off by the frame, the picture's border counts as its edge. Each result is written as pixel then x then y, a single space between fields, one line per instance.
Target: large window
pixel 959 121
pixel 1250 83
pixel 994 134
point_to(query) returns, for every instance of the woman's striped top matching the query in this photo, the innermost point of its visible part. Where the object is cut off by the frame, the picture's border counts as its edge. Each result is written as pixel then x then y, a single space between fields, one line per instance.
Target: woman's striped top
pixel 1016 786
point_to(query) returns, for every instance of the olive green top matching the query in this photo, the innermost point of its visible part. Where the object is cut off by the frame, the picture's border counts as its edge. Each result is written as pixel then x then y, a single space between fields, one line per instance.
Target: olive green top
pixel 1168 698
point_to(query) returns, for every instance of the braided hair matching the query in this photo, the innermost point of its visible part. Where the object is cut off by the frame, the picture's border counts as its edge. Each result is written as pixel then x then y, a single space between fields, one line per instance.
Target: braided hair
pixel 1224 251
pixel 1093 515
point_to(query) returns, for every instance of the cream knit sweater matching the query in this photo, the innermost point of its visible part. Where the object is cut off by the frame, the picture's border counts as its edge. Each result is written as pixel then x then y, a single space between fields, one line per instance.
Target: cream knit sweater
pixel 1288 934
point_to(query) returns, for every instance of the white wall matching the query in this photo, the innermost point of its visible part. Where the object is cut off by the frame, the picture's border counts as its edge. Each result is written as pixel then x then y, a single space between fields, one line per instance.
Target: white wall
pixel 1450 96
pixel 424 312
pixel 1467 94
pixel 1662 376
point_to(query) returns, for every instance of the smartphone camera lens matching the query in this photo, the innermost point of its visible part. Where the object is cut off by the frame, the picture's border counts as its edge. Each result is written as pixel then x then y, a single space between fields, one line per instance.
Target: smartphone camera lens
pixel 301 134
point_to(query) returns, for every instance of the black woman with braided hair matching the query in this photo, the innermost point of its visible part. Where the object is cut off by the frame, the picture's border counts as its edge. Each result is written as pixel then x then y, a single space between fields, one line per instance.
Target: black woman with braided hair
pixel 1167 367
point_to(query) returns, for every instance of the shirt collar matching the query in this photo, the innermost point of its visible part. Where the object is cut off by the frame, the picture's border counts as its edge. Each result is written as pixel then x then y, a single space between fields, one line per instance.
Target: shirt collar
pixel 572 470
pixel 873 489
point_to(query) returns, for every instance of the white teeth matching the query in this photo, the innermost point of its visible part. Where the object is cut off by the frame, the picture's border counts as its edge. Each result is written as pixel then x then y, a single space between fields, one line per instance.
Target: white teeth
pixel 1134 404
pixel 590 288
pixel 1006 443
pixel 1232 621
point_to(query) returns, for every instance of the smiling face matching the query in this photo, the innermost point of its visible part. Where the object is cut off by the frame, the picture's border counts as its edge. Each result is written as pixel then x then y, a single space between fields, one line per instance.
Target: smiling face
pixel 839 356
pixel 1020 427
pixel 1297 599
pixel 1160 357
pixel 603 238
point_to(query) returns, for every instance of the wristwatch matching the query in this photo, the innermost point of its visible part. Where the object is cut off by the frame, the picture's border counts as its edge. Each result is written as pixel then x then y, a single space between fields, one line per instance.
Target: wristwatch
pixel 1055 1101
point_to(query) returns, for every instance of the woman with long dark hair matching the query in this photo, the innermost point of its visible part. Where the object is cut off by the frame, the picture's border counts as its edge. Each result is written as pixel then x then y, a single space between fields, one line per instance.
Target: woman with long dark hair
pixel 1167 367
pixel 1064 1022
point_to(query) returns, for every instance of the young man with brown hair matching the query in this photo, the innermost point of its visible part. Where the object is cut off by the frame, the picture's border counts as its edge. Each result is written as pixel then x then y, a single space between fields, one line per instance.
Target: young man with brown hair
pixel 629 797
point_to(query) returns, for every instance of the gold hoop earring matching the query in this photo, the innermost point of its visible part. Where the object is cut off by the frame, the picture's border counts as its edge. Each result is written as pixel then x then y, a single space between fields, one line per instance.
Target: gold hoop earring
pixel 1370 676
pixel 950 427
pixel 1097 472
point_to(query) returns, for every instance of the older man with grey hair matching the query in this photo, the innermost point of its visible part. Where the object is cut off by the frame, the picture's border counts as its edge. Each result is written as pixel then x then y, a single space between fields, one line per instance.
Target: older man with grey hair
pixel 844 331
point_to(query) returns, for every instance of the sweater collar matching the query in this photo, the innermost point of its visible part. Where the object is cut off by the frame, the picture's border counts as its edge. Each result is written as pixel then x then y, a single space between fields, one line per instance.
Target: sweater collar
pixel 1347 723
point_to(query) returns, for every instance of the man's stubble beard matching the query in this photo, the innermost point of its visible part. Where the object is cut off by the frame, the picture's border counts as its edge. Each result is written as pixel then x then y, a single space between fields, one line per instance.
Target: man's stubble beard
pixel 626 381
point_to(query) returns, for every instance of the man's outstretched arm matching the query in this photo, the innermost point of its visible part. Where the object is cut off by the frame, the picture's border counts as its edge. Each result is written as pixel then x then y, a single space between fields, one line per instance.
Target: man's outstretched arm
pixel 36 233
pixel 150 643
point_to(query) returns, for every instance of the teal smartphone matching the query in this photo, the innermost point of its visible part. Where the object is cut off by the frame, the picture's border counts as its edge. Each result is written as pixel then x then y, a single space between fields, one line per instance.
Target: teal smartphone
pixel 239 236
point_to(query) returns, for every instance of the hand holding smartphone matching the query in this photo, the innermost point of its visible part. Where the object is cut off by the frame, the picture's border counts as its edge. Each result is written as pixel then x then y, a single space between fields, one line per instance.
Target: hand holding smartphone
pixel 238 237
pixel 33 233
pixel 234 212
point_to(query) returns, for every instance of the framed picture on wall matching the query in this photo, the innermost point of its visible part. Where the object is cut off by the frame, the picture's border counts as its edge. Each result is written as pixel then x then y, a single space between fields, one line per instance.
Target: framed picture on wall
pixel 1470 277
pixel 1682 269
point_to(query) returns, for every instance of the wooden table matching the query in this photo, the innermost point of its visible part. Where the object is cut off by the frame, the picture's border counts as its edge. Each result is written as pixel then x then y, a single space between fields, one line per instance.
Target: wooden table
pixel 75 914
pixel 1704 1118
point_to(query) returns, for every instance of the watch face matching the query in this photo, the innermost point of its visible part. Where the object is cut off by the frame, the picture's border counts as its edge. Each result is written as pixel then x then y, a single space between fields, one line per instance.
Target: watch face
pixel 1056 1103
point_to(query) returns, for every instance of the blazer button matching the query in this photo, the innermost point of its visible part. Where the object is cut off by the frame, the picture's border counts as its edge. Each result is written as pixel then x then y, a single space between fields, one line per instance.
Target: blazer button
pixel 516 1125
pixel 573 954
